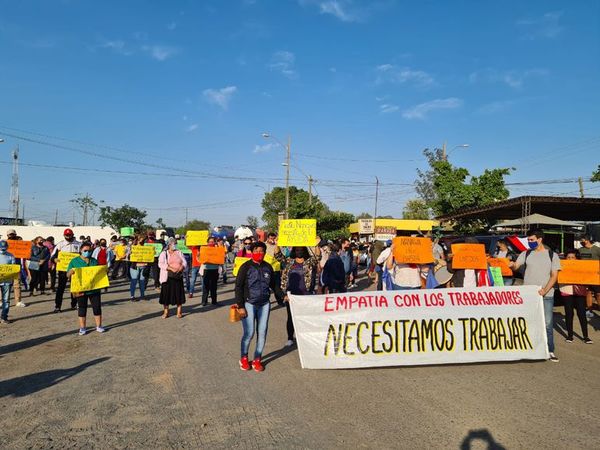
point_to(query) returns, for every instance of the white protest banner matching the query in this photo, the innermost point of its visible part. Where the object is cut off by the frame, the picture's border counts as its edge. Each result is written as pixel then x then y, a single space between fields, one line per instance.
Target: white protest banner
pixel 413 327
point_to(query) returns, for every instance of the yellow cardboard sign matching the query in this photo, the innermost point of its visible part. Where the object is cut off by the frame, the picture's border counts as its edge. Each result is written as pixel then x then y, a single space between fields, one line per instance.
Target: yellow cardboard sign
pixel 276 265
pixel 9 272
pixel 195 238
pixel 297 233
pixel 64 258
pixel 89 278
pixel 142 254
pixel 238 263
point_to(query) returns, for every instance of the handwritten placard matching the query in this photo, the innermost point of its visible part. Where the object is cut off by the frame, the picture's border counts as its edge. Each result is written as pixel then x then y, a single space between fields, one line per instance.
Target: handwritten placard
pixel 64 258
pixel 158 247
pixel 9 272
pixel 194 238
pixel 89 278
pixel 297 233
pixel 502 263
pixel 413 250
pixel 19 249
pixel 468 256
pixel 239 260
pixel 141 254
pixel 575 271
pixel 212 255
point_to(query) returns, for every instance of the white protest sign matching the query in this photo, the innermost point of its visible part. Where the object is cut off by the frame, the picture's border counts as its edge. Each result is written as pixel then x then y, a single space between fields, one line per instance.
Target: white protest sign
pixel 413 327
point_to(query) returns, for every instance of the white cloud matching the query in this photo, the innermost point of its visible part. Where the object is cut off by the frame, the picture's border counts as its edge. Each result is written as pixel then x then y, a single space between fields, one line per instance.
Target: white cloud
pixel 220 97
pixel 496 107
pixel 160 52
pixel 386 108
pixel 171 26
pixel 421 110
pixel 118 46
pixel 343 10
pixel 546 27
pixel 192 127
pixel 512 78
pixel 283 62
pixel 389 73
pixel 263 148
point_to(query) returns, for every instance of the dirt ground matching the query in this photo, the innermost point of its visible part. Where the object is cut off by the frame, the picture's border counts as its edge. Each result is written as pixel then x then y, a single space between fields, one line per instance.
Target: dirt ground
pixel 175 383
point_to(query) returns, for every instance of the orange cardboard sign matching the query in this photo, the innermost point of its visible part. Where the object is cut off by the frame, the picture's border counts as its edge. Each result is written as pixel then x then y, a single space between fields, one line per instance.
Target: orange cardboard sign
pixel 413 250
pixel 212 255
pixel 503 264
pixel 20 249
pixel 468 256
pixel 575 271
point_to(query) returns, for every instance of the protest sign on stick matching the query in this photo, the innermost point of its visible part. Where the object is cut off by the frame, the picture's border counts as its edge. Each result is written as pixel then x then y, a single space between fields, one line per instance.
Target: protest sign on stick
pixel 297 233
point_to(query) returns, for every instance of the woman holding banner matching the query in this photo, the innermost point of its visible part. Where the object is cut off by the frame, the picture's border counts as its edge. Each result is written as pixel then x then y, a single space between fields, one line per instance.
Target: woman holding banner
pixel 172 265
pixel 85 260
pixel 574 297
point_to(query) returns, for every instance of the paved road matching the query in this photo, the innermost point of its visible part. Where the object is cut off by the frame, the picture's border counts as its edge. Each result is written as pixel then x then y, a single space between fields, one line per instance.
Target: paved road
pixel 175 383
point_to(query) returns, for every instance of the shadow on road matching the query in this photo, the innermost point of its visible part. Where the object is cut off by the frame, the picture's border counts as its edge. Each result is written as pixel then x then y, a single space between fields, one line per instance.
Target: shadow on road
pixel 29 384
pixel 483 436
pixel 270 357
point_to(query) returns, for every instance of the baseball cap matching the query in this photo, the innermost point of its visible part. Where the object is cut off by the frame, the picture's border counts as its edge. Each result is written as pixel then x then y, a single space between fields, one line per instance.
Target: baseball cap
pixel 3 245
pixel 388 243
pixel 68 232
pixel 11 231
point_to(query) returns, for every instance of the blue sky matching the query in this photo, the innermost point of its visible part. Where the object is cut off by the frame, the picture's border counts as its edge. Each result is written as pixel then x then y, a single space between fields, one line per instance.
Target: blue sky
pixel 172 97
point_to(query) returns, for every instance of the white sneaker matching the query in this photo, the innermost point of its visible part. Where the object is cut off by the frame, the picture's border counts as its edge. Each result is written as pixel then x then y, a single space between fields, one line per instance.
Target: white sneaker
pixel 82 332
pixel 100 329
pixel 21 305
pixel 589 314
pixel 289 343
pixel 553 357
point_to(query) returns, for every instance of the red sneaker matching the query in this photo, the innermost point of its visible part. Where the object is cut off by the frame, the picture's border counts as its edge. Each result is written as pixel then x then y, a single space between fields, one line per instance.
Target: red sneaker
pixel 257 365
pixel 244 364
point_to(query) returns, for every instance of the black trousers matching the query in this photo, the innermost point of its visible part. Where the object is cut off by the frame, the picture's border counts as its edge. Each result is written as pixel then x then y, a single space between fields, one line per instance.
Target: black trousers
pixel 209 285
pixel 52 275
pixel 118 269
pixel 82 303
pixel 38 280
pixel 290 322
pixel 575 302
pixel 60 290
pixel 155 273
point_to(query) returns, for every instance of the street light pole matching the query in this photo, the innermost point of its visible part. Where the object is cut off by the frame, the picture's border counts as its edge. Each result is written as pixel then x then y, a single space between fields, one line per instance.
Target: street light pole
pixel 376 198
pixel 287 178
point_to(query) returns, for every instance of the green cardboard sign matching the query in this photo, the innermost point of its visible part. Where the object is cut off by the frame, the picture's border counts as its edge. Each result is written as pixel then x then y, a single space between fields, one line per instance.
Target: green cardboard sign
pixel 183 248
pixel 127 231
pixel 497 276
pixel 157 248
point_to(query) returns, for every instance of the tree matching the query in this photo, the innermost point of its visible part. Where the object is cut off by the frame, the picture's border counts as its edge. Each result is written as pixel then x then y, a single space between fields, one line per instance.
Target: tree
pixel 87 205
pixel 445 189
pixel 333 225
pixel 364 215
pixel 160 223
pixel 193 225
pixel 415 209
pixel 300 207
pixel 596 174
pixel 252 221
pixel 125 216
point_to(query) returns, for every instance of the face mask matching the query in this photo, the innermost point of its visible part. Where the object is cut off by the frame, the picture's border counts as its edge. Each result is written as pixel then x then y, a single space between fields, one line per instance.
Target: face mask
pixel 247 247
pixel 258 257
pixel 533 245
pixel 86 254
pixel 69 238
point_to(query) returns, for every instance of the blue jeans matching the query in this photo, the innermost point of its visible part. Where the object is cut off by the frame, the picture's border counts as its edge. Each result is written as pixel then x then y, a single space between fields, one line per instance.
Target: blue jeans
pixel 188 269
pixel 549 318
pixel 5 289
pixel 257 315
pixel 193 277
pixel 137 275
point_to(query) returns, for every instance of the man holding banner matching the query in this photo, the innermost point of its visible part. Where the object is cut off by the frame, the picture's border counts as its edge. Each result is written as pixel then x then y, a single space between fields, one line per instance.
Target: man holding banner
pixel 541 269
pixel 81 263
pixel 68 245
pixel 6 280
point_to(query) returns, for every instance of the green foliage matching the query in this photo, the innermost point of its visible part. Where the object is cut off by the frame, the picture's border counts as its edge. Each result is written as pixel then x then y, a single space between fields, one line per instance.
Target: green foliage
pixel 160 223
pixel 446 188
pixel 252 221
pixel 193 225
pixel 330 224
pixel 125 216
pixel 596 174
pixel 364 215
pixel 416 210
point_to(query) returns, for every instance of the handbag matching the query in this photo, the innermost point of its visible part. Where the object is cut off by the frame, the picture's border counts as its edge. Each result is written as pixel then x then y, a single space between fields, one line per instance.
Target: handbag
pixel 234 314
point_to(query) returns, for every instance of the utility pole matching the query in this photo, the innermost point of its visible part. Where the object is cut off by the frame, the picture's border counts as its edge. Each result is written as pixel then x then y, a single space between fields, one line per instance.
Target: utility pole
pixel 376 198
pixel 287 178
pixel 56 218
pixel 14 187
pixel 444 155
pixel 85 210
pixel 310 183
pixel 581 187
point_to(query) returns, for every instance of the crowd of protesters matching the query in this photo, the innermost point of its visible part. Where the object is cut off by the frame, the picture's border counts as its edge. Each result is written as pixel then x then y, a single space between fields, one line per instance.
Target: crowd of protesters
pixel 328 267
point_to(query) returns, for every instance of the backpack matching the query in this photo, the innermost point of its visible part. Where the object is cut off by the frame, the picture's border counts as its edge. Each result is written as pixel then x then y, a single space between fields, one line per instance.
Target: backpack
pixel 102 257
